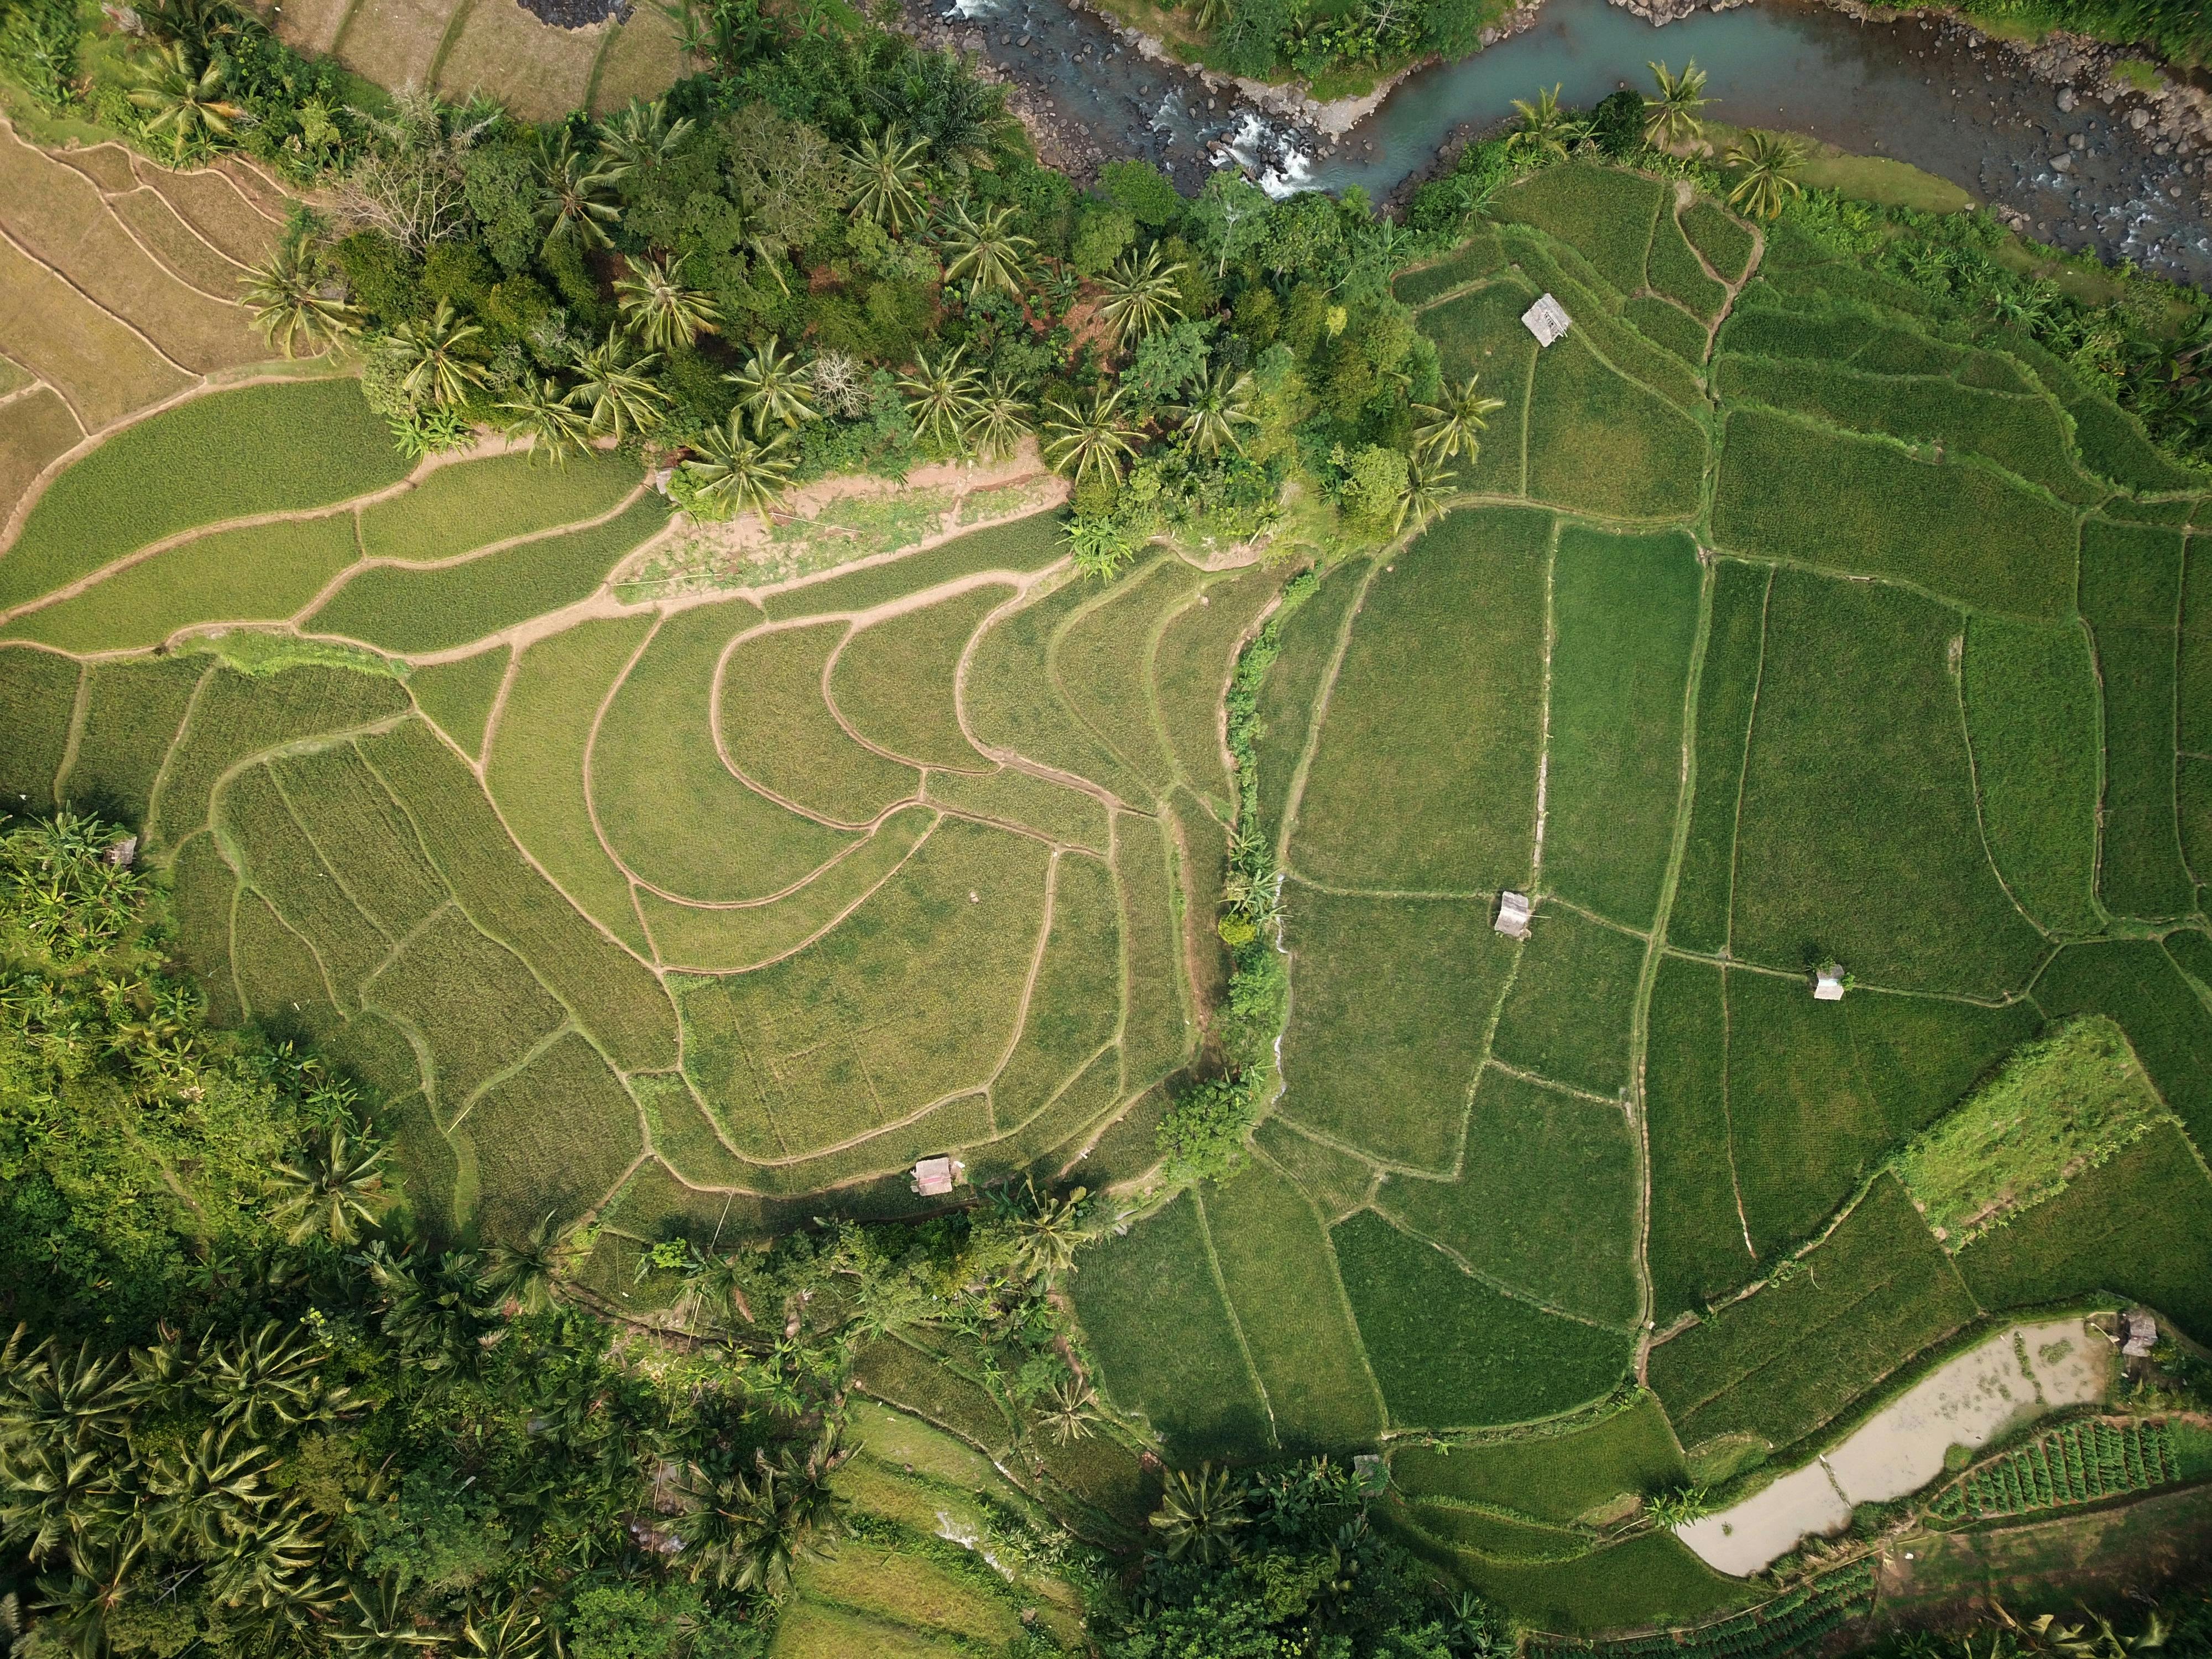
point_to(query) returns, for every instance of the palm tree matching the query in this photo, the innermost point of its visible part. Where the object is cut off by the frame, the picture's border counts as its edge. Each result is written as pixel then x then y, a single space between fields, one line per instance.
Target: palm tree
pixel 1209 14
pixel 1096 437
pixel 184 99
pixel 1768 161
pixel 511 1632
pixel 78 1606
pixel 292 304
pixel 1211 414
pixel 544 420
pixel 1672 116
pixel 522 1274
pixel 1047 1231
pixel 1452 425
pixel 331 1187
pixel 575 195
pixel 1001 421
pixel 59 1397
pixel 1141 297
pixel 435 366
pixel 730 471
pixel 377 1623
pixel 887 179
pixel 613 387
pixel 941 394
pixel 1429 484
pixel 772 386
pixel 260 1380
pixel 1545 129
pixel 640 135
pixel 1073 1412
pixel 209 1492
pixel 1200 1512
pixel 660 310
pixel 52 1490
pixel 727 1513
pixel 985 254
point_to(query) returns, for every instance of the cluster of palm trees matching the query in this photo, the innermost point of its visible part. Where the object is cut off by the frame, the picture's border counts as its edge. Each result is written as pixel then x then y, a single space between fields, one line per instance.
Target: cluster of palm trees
pixel 1765 163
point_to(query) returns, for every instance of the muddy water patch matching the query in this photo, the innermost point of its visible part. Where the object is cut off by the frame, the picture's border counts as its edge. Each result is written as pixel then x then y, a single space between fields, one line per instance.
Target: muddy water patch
pixel 2017 1375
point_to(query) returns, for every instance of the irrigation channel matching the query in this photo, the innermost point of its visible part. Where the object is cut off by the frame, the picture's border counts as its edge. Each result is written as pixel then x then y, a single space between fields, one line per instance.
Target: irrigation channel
pixel 2083 173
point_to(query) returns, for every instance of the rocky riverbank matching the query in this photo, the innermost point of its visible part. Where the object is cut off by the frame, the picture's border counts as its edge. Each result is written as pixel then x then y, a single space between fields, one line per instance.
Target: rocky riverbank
pixel 2058 136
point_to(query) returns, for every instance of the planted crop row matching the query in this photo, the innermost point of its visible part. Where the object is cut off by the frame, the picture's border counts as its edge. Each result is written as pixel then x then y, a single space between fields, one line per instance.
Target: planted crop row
pixel 1789 1624
pixel 2080 1463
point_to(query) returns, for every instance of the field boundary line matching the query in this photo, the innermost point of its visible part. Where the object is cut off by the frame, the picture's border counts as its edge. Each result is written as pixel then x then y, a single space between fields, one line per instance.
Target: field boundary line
pixel 851 1143
pixel 7 234
pixel 1336 1278
pixel 564 1028
pixel 1065 1083
pixel 528 857
pixel 193 230
pixel 1958 678
pixel 12 529
pixel 247 885
pixel 150 829
pixel 1235 1320
pixel 1526 1298
pixel 456 23
pixel 1598 918
pixel 802 882
pixel 568 527
pixel 482 764
pixel 1317 716
pixel 723 752
pixel 1033 591
pixel 306 743
pixel 415 932
pixel 80 702
pixel 1375 1161
pixel 1021 1019
pixel 1478 896
pixel 837 713
pixel 1611 1102
pixel 107 207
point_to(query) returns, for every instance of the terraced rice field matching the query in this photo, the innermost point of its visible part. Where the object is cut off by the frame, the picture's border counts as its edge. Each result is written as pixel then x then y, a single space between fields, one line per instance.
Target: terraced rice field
pixel 1735 672
pixel 1776 628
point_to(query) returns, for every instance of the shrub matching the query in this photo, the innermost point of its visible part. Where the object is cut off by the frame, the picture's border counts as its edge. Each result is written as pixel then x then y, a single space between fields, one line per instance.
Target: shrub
pixel 1202 1136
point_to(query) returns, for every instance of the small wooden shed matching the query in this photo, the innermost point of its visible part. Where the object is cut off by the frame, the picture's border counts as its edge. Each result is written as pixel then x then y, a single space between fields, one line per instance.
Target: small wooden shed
pixel 1546 319
pixel 935 1177
pixel 1828 985
pixel 1513 915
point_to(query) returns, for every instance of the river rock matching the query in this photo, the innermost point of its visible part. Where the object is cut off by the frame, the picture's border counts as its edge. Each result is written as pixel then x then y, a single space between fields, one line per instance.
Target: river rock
pixel 2065 100
pixel 2139 118
pixel 2062 162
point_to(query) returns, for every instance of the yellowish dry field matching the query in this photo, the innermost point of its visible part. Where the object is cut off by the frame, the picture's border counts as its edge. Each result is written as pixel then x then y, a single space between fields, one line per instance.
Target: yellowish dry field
pixel 539 72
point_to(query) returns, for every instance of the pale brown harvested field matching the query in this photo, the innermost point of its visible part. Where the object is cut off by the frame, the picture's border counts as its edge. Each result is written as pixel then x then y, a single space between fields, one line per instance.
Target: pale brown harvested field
pixel 107 165
pixel 255 183
pixel 100 367
pixel 176 243
pixel 33 429
pixel 211 205
pixel 312 25
pixel 395 42
pixel 56 214
pixel 540 73
pixel 642 62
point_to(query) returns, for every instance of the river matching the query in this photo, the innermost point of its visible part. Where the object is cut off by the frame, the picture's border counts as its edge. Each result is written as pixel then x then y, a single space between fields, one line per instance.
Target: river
pixel 1919 90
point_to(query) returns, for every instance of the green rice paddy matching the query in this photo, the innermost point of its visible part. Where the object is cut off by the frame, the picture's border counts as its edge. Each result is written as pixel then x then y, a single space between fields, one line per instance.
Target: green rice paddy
pixel 1878 644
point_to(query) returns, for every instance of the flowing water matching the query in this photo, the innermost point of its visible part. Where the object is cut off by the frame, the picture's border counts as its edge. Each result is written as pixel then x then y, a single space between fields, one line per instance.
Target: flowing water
pixel 1919 91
